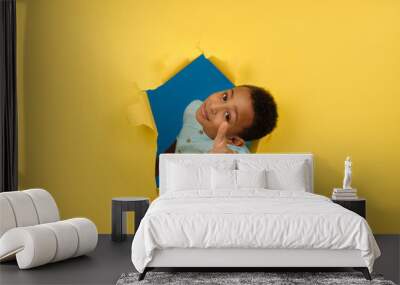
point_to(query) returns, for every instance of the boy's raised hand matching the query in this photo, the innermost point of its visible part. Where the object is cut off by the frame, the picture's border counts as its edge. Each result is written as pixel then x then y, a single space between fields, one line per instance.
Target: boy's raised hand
pixel 220 140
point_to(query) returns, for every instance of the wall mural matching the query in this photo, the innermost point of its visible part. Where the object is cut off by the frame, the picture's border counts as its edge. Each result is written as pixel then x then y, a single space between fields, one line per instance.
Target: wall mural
pixel 167 103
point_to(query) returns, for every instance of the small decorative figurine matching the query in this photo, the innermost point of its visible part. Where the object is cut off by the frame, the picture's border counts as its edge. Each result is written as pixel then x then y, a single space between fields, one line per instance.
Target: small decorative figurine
pixel 347 174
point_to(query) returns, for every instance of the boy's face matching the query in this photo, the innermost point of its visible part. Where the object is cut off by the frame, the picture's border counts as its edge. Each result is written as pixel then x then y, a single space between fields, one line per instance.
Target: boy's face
pixel 233 106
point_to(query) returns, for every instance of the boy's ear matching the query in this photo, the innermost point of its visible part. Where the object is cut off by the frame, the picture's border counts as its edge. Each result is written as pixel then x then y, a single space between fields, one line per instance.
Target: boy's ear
pixel 236 140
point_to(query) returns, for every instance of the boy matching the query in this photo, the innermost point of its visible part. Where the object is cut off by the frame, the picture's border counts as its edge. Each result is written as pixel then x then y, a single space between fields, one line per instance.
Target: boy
pixel 226 120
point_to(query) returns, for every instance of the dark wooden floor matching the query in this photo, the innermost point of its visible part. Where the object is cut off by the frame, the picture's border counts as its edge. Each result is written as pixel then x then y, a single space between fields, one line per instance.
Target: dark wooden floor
pixel 111 259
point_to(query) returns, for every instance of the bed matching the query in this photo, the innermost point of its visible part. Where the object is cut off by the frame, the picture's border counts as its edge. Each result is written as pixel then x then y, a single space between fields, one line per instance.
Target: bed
pixel 245 211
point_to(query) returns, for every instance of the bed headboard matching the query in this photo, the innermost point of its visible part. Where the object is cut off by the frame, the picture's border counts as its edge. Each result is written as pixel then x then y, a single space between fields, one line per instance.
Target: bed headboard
pixel 210 158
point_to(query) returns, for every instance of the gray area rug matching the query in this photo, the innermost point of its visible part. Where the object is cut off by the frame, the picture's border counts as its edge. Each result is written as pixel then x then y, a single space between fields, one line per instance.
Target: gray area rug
pixel 231 278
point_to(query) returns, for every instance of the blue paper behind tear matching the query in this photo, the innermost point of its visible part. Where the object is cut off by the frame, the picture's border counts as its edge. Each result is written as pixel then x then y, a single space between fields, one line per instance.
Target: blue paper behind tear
pixel 196 81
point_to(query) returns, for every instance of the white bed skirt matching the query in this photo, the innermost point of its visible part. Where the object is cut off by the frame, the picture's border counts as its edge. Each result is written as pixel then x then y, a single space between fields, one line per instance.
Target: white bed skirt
pixel 192 257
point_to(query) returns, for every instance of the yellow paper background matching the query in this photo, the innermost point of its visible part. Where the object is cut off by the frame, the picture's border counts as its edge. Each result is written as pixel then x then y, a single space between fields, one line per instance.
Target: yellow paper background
pixel 333 66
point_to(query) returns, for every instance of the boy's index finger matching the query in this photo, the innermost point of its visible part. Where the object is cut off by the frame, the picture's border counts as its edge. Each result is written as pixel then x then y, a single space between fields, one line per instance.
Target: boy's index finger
pixel 223 128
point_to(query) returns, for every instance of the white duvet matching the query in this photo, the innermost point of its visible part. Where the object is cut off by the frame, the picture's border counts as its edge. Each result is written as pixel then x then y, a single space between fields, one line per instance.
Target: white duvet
pixel 250 218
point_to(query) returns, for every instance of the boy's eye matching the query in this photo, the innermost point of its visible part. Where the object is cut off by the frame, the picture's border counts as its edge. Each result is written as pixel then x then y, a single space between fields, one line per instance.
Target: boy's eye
pixel 227 116
pixel 225 97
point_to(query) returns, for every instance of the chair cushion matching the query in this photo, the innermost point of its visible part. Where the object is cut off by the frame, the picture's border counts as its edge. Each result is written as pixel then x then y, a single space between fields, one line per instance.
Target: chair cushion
pixel 7 220
pixel 26 208
pixel 45 205
pixel 23 208
pixel 40 244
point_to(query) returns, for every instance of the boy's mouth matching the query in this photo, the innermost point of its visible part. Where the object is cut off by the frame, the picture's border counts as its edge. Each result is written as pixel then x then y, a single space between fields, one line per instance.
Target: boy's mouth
pixel 204 112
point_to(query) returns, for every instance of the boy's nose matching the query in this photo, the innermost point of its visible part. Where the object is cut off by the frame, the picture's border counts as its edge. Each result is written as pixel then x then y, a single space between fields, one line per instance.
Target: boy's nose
pixel 214 108
pixel 213 111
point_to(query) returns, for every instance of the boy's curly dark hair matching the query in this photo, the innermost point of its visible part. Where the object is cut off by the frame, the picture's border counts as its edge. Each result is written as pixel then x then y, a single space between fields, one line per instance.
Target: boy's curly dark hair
pixel 265 114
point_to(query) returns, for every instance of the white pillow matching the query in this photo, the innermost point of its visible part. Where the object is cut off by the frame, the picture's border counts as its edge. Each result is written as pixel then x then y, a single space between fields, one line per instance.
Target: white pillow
pixel 226 179
pixel 223 179
pixel 289 179
pixel 187 174
pixel 181 178
pixel 282 174
pixel 251 178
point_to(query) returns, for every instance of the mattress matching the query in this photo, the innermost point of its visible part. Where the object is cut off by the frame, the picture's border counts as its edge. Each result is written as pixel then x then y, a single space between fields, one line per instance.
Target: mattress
pixel 250 219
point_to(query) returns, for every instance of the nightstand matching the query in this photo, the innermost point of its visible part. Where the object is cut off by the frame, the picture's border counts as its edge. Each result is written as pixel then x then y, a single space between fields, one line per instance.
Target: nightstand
pixel 122 205
pixel 358 206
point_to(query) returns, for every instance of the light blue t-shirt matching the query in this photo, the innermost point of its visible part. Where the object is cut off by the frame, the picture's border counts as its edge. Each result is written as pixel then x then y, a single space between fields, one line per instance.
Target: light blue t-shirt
pixel 192 138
